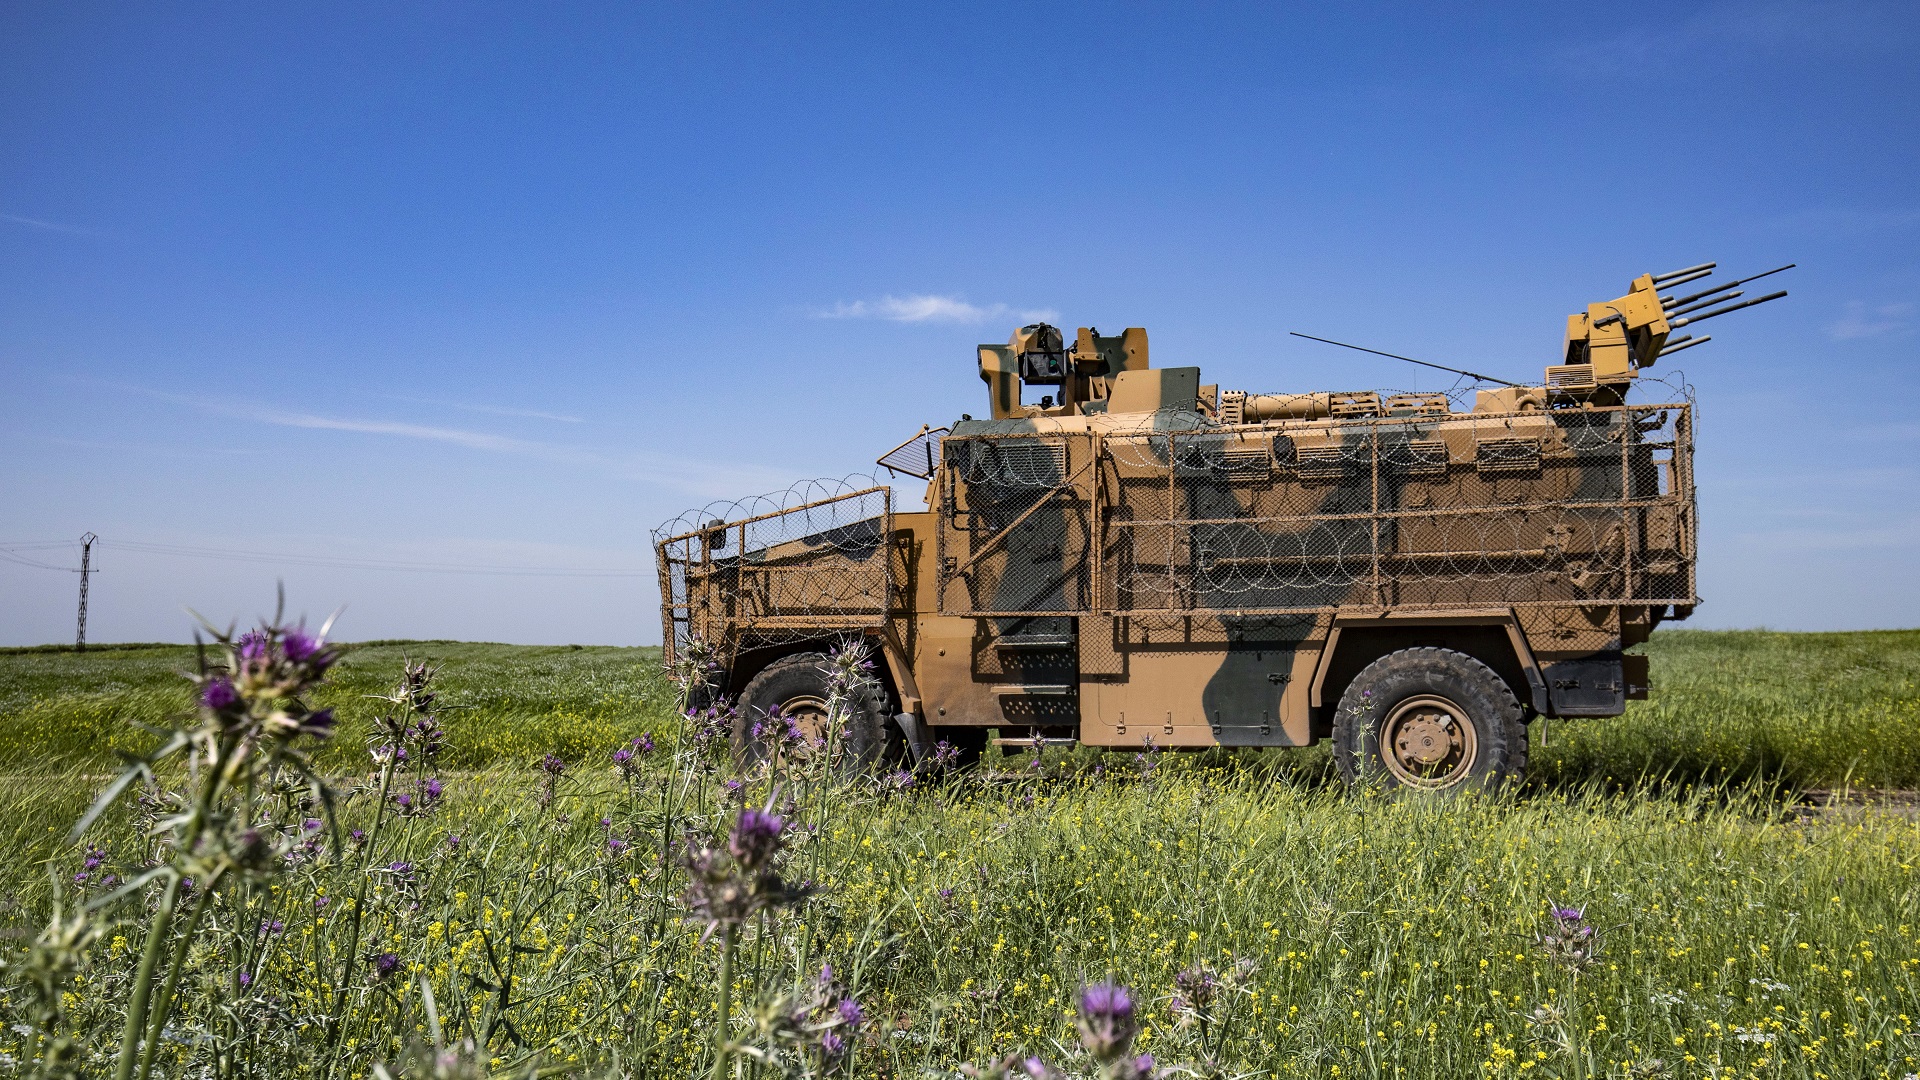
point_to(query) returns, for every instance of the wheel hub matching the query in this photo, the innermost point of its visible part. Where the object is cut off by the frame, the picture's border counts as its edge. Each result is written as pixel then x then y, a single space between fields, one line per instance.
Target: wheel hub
pixel 1428 742
pixel 806 717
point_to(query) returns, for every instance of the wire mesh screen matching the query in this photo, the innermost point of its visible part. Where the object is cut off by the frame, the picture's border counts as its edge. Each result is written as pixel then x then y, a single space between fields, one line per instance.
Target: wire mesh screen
pixel 1414 507
pixel 777 567
pixel 1016 523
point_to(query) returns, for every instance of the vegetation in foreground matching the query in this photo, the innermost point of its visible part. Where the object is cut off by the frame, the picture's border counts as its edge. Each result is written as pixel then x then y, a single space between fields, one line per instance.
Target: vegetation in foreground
pixel 544 910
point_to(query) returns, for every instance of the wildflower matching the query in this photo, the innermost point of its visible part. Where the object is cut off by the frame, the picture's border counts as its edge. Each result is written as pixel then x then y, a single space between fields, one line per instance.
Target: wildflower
pixel 851 1014
pixel 385 964
pixel 1569 941
pixel 553 765
pixel 945 755
pixel 643 742
pixel 1107 1024
pixel 252 645
pixel 756 838
pixel 219 694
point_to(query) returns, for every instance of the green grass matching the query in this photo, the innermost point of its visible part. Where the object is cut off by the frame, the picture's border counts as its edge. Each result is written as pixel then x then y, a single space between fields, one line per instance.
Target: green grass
pixel 62 709
pixel 1393 937
pixel 1802 710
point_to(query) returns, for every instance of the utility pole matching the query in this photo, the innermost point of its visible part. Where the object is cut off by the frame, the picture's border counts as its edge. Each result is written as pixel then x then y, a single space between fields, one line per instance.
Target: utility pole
pixel 86 568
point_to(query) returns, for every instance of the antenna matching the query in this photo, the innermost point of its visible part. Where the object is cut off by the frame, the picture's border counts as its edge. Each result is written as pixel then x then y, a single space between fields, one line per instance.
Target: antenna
pixel 86 569
pixel 1408 359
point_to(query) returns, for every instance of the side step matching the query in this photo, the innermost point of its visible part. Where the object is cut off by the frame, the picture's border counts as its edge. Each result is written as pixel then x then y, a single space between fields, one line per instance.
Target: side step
pixel 1027 744
pixel 1023 642
pixel 1033 690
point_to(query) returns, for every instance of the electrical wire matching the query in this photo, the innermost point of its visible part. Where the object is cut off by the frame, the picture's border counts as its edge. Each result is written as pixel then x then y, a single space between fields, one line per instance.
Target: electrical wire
pixel 8 552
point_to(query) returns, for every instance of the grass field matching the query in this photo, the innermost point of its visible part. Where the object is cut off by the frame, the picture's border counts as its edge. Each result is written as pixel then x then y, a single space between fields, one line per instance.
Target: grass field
pixel 1389 937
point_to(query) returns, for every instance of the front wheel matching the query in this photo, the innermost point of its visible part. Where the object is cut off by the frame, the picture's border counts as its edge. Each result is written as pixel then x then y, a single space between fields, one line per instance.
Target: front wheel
pixel 1430 719
pixel 782 716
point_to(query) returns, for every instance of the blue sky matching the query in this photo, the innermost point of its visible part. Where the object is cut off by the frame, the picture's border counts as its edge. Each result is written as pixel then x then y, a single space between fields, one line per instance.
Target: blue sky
pixel 509 285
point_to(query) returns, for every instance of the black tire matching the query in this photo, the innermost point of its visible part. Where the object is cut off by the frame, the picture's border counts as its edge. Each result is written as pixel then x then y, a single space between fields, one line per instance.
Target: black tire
pixel 1451 723
pixel 800 685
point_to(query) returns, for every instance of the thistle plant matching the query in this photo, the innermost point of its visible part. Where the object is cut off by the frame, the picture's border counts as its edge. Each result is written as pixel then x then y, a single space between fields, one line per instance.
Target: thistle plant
pixel 42 974
pixel 247 741
pixel 406 743
pixel 1203 999
pixel 694 670
pixel 730 885
pixel 1570 943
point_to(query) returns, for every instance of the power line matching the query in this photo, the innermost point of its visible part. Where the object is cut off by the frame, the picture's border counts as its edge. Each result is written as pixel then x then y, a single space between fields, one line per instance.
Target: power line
pixel 8 552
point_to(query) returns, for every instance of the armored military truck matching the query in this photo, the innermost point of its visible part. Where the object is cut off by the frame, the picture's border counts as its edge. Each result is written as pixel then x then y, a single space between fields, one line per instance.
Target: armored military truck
pixel 1142 558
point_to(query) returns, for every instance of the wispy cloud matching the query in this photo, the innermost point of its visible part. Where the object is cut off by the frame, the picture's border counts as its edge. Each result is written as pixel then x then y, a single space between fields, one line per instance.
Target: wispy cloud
pixel 496 410
pixel 50 226
pixel 701 478
pixel 1864 321
pixel 927 307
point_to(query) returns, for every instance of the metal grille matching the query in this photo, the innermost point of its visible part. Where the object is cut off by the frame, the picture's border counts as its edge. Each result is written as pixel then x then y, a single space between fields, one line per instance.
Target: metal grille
pixel 815 558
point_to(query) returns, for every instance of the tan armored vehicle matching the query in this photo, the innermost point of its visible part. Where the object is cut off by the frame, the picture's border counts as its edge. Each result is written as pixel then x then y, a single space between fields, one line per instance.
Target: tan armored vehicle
pixel 1143 558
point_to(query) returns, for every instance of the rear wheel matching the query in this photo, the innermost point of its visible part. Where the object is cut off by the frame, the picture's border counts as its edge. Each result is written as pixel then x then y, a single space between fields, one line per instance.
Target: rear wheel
pixel 782 717
pixel 1430 719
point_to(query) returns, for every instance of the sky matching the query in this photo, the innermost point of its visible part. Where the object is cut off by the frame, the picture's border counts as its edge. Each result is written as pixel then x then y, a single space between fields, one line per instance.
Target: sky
pixel 370 294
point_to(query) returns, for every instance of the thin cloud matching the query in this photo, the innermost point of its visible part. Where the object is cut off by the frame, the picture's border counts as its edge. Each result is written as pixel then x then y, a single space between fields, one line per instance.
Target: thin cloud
pixel 1862 321
pixel 50 226
pixel 536 414
pixel 496 410
pixel 926 307
pixel 703 479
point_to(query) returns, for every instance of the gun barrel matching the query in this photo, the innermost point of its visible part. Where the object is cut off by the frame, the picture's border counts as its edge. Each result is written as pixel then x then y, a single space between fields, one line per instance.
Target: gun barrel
pixel 1672 303
pixel 1690 319
pixel 1712 299
pixel 1695 276
pixel 1684 344
pixel 1662 279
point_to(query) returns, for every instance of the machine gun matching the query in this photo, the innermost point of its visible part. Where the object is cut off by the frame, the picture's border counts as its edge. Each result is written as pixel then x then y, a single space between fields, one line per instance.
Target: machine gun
pixel 1610 342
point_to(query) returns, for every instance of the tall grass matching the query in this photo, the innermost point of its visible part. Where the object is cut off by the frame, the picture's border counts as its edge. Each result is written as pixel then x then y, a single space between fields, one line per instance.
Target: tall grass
pixel 1390 937
pixel 541 910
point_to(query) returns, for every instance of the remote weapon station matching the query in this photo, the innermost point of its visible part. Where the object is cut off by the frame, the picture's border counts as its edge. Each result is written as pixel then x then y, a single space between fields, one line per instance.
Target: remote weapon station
pixel 1140 558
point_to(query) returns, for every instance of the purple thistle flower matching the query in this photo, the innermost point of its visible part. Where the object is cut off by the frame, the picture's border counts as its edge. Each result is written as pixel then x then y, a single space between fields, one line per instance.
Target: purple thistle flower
pixel 312 824
pixel 253 645
pixel 246 979
pixel 1569 914
pixel 403 801
pixel 832 1045
pixel 403 869
pixel 553 765
pixel 826 974
pixel 386 964
pixel 433 789
pixel 946 894
pixel 319 722
pixel 851 1013
pixel 756 838
pixel 615 845
pixel 219 694
pixel 453 842
pixel 1107 1025
pixel 622 756
pixel 298 646
pixel 644 742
